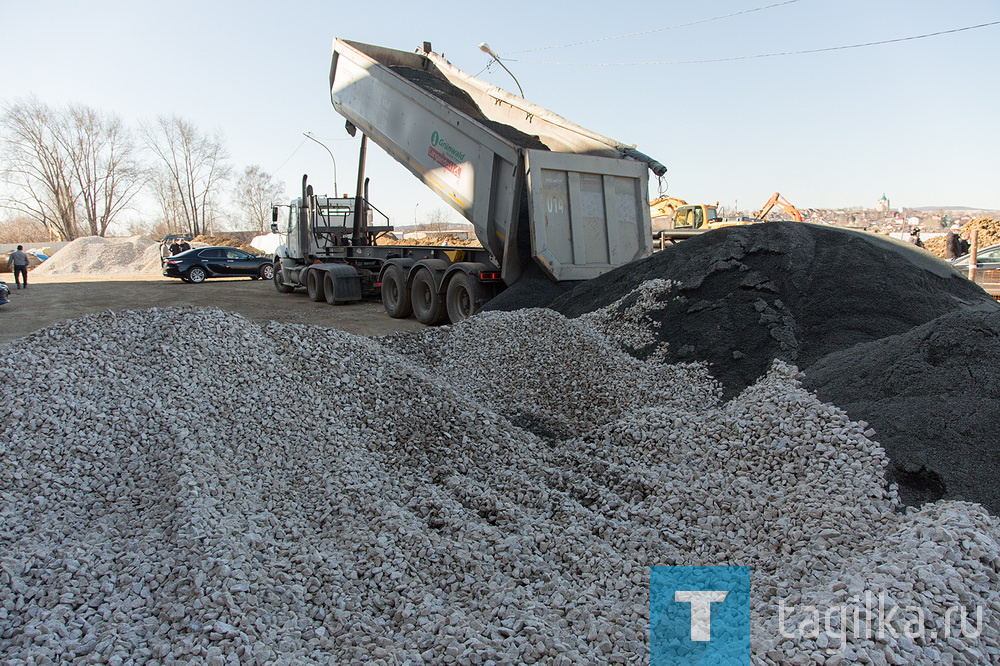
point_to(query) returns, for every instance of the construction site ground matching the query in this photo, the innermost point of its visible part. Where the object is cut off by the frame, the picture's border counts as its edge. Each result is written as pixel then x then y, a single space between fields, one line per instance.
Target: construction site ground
pixel 54 298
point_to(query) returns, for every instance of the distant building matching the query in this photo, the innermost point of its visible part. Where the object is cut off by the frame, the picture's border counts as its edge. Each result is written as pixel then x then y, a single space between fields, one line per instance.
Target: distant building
pixel 883 205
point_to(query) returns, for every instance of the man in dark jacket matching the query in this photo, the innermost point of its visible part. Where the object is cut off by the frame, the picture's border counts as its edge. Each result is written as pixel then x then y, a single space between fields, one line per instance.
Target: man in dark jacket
pixel 19 259
pixel 952 248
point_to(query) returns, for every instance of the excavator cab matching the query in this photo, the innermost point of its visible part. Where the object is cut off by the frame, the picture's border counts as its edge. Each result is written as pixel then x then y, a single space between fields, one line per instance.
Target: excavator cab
pixel 695 216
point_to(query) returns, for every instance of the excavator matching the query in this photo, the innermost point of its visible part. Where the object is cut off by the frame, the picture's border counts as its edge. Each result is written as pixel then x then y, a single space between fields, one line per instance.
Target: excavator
pixel 674 219
pixel 778 200
pixel 671 213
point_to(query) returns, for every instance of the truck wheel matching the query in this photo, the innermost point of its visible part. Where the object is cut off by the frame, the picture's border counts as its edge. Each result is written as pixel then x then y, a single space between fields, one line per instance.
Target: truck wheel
pixel 395 295
pixel 463 297
pixel 279 283
pixel 197 274
pixel 314 285
pixel 428 306
pixel 329 290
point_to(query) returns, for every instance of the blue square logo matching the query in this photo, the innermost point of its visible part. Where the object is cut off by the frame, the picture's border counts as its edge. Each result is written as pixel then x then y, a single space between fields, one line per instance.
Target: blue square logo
pixel 699 615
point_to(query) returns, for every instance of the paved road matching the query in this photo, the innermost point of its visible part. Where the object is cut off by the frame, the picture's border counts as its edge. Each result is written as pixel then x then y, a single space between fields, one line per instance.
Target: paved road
pixel 53 298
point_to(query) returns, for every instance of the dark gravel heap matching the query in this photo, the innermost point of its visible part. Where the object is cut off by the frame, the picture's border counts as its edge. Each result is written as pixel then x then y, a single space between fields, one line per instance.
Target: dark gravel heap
pixel 791 291
pixel 933 396
pixel 458 99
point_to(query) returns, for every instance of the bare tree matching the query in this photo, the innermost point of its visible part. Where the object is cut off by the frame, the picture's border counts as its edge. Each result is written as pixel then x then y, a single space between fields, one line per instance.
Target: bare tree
pixel 72 171
pixel 22 229
pixel 105 167
pixel 38 168
pixel 438 220
pixel 192 168
pixel 256 192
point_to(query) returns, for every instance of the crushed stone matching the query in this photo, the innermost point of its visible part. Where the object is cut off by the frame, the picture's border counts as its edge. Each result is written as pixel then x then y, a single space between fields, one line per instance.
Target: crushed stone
pixel 335 499
pixel 94 254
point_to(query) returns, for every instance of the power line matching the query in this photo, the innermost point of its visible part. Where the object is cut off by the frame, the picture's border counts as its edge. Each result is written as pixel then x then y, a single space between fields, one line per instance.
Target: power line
pixel 290 156
pixel 647 32
pixel 760 55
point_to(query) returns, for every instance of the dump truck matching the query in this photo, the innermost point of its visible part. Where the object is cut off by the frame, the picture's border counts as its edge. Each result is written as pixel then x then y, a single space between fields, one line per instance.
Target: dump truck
pixel 538 190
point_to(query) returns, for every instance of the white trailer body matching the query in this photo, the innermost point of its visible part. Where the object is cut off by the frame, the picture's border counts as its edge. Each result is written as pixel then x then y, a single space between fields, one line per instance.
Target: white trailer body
pixel 531 182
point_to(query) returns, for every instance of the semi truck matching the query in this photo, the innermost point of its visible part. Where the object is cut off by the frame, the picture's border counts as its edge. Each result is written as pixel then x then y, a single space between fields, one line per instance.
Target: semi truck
pixel 537 188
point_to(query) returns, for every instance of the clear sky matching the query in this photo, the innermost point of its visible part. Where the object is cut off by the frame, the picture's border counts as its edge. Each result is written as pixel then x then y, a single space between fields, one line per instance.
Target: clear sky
pixel 916 120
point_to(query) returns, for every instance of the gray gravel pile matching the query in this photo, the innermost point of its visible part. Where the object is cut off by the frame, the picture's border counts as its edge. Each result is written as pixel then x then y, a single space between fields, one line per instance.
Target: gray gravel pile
pixel 336 499
pixel 94 254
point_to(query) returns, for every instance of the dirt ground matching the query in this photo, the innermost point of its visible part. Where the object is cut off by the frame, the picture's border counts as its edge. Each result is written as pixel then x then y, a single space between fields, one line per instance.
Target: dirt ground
pixel 54 298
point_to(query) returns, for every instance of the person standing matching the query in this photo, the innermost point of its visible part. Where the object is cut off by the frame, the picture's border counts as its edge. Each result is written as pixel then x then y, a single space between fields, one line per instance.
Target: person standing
pixel 951 245
pixel 174 248
pixel 19 259
pixel 184 245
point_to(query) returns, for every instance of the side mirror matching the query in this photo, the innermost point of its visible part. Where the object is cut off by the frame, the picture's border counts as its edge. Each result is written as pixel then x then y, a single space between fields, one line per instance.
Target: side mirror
pixel 274 213
pixel 274 228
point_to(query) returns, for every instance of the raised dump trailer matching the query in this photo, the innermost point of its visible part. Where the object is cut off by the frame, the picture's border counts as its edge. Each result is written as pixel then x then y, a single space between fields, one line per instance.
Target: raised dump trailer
pixel 536 187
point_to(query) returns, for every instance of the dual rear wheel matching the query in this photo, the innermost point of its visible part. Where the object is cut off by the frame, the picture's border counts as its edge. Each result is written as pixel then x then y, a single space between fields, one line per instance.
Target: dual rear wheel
pixel 422 299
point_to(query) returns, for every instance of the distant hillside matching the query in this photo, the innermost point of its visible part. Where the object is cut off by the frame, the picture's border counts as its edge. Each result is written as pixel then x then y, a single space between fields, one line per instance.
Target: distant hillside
pixel 931 209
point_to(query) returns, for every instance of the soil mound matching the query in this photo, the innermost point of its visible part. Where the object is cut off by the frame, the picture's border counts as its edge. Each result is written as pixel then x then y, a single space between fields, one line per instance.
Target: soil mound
pixel 741 297
pixel 933 396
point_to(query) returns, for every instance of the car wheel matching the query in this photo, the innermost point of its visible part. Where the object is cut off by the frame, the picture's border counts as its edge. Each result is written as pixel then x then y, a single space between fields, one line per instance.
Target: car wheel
pixel 267 272
pixel 428 305
pixel 395 296
pixel 280 284
pixel 197 274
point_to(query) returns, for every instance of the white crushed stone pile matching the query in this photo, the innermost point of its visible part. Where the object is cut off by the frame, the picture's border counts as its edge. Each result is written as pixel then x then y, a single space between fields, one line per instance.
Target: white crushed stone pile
pixel 304 495
pixel 94 254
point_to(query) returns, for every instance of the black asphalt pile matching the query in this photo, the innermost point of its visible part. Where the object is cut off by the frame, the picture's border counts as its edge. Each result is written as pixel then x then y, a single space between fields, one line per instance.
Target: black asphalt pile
pixel 744 296
pixel 933 396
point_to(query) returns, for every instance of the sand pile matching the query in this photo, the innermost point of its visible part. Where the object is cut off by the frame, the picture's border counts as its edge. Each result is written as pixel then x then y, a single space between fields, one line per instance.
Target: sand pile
pixel 747 295
pixel 933 396
pixel 224 241
pixel 453 241
pixel 989 230
pixel 154 512
pixel 94 254
pixel 989 234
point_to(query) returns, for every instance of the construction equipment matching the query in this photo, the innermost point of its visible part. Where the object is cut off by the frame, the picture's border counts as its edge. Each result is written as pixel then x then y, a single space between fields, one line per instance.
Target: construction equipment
pixel 674 220
pixel 536 187
pixel 778 200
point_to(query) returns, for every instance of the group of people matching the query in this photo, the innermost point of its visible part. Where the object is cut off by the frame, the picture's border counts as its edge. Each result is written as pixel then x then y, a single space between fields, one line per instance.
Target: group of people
pixel 176 246
pixel 955 245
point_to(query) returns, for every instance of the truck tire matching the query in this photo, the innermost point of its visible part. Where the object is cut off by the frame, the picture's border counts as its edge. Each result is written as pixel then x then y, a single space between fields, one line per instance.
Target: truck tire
pixel 428 305
pixel 329 289
pixel 395 295
pixel 463 297
pixel 279 283
pixel 314 285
